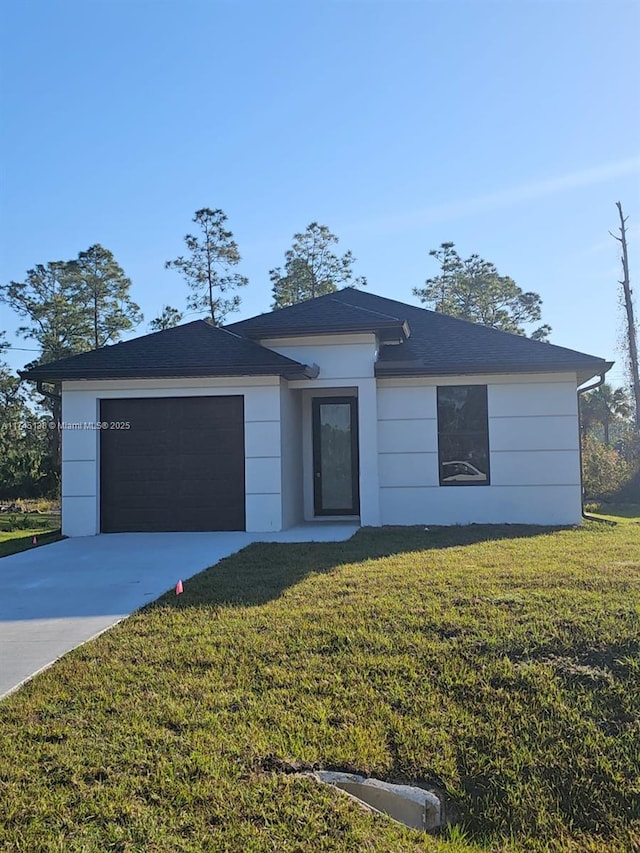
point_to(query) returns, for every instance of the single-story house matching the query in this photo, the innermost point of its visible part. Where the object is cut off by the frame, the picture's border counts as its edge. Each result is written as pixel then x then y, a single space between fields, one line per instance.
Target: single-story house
pixel 347 406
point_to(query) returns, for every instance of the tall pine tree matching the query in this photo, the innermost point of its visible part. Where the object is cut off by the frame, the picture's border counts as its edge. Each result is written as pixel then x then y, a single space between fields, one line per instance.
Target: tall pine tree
pixel 473 290
pixel 103 291
pixel 312 269
pixel 69 307
pixel 47 301
pixel 208 268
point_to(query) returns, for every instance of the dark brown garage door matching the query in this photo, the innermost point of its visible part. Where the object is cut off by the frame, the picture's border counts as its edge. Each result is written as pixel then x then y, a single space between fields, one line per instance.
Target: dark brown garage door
pixel 178 466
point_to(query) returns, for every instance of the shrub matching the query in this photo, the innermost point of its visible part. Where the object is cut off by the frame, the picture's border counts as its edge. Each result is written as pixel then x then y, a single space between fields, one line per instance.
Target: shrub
pixel 629 449
pixel 630 491
pixel 604 470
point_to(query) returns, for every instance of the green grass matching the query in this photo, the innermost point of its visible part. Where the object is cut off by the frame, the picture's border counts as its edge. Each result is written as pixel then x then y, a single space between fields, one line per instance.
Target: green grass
pixel 501 664
pixel 621 513
pixel 17 531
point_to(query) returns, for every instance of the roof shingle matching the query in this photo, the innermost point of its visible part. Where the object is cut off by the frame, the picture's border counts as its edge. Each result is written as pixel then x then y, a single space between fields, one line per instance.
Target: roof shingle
pixel 324 315
pixel 432 344
pixel 438 345
pixel 193 349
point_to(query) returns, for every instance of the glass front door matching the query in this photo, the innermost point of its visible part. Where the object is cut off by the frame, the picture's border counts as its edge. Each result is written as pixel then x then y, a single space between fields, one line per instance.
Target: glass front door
pixel 335 456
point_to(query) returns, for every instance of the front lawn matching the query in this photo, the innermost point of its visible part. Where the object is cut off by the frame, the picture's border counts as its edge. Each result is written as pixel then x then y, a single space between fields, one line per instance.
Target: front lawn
pixel 501 664
pixel 18 529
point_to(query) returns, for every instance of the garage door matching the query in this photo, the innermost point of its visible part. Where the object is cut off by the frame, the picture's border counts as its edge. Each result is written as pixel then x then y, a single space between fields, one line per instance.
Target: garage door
pixel 174 463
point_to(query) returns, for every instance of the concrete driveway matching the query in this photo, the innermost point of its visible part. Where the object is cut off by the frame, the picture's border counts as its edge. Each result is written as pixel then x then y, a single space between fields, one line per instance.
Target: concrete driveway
pixel 58 596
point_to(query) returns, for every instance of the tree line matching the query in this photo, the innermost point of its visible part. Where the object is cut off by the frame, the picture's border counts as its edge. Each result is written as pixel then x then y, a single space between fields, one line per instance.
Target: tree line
pixel 610 444
pixel 471 289
pixel 68 307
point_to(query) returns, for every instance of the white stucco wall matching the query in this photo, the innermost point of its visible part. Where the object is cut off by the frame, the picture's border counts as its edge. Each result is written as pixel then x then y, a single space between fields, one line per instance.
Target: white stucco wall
pixel 533 443
pixel 80 448
pixel 346 369
pixel 291 455
pixel 338 356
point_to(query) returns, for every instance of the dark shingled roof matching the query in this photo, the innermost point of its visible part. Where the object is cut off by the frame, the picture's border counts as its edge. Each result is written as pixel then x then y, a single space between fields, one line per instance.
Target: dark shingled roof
pixel 320 316
pixel 432 344
pixel 437 345
pixel 193 349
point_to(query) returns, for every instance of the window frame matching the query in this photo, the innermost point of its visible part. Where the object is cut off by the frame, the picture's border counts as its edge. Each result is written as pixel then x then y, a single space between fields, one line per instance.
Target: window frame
pixel 482 433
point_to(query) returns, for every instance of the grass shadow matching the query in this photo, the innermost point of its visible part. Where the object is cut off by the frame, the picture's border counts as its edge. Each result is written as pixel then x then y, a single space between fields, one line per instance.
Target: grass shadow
pixel 263 571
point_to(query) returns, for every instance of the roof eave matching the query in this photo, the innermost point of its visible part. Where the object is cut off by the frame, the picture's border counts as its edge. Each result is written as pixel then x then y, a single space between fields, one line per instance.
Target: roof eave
pixel 415 368
pixel 263 334
pixel 585 374
pixel 292 372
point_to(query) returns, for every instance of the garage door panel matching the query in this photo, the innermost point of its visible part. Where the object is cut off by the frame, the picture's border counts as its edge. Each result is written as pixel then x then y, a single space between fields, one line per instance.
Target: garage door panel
pixel 202 438
pixel 137 492
pixel 132 468
pixel 192 520
pixel 139 444
pixel 180 465
pixel 208 465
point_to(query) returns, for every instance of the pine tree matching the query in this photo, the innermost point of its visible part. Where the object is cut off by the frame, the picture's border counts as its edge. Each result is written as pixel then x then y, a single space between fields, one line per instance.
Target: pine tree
pixel 167 319
pixel 473 290
pixel 208 268
pixel 103 290
pixel 311 268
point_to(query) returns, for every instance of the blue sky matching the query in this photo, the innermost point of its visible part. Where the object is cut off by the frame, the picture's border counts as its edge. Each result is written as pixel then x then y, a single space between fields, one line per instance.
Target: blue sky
pixel 507 127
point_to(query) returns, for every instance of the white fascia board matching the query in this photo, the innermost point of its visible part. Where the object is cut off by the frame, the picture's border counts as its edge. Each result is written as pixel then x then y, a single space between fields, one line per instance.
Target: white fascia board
pixel 168 383
pixel 479 379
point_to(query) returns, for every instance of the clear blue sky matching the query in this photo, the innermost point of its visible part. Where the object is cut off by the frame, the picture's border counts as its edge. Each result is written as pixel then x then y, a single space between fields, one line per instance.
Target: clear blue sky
pixel 510 128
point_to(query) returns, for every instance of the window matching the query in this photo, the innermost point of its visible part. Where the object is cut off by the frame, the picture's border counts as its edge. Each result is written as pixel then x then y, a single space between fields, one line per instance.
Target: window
pixel 463 435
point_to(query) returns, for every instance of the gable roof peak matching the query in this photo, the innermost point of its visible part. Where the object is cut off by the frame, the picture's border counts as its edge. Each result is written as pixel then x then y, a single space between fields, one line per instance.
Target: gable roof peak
pixel 323 315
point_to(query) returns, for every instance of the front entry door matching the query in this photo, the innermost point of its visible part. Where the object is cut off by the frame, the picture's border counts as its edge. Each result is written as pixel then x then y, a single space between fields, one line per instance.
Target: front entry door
pixel 335 456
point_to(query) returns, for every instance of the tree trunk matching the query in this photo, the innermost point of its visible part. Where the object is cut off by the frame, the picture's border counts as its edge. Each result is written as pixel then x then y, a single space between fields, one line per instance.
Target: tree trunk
pixel 631 327
pixel 210 284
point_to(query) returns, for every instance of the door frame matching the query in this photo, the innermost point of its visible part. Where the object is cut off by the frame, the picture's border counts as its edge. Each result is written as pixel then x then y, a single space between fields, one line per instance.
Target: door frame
pixel 316 403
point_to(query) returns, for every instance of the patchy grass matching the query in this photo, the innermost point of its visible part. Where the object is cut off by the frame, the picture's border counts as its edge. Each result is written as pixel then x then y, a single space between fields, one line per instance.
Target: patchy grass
pixel 621 513
pixel 18 529
pixel 501 664
pixel 43 505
